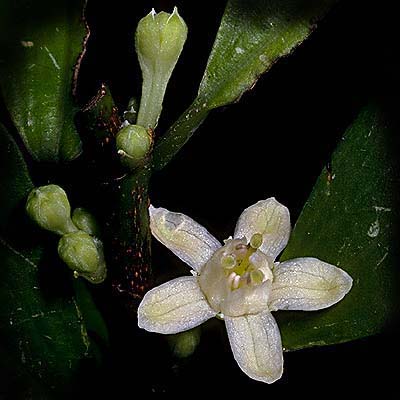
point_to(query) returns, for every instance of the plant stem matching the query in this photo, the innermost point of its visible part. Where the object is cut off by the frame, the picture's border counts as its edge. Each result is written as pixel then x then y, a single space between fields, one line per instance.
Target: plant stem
pixel 131 238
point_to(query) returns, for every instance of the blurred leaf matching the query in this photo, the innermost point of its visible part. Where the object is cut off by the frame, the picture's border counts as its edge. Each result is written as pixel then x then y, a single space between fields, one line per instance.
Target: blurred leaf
pixel 40 42
pixel 43 338
pixel 94 322
pixel 350 221
pixel 99 121
pixel 100 116
pixel 251 38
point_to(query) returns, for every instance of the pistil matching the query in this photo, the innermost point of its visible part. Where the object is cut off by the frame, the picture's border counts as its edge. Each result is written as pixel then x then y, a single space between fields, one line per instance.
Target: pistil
pixel 238 266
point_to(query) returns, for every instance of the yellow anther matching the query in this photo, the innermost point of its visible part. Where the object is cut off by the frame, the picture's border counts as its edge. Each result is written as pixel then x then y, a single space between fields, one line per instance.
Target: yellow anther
pixel 256 277
pixel 256 240
pixel 228 261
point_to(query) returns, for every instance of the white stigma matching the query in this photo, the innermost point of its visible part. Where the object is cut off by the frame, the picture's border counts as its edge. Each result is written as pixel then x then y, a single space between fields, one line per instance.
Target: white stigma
pixel 236 282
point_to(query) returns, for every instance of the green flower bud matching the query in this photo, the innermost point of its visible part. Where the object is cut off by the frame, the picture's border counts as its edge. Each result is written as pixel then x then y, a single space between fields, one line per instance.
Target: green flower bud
pixel 185 343
pixel 84 255
pixel 85 221
pixel 49 207
pixel 133 143
pixel 159 41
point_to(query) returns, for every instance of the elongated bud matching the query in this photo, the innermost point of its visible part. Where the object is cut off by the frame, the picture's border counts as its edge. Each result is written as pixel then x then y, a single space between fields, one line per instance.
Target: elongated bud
pixel 134 144
pixel 84 255
pixel 49 207
pixel 159 41
pixel 85 221
pixel 185 343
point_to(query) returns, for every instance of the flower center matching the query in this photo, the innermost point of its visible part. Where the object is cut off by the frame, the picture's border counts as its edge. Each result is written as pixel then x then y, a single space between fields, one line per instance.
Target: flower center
pixel 240 265
pixel 237 279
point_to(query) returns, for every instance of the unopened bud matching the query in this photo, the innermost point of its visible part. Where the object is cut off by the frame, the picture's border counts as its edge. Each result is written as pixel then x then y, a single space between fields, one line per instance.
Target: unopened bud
pixel 49 207
pixel 185 343
pixel 159 41
pixel 134 144
pixel 85 221
pixel 84 255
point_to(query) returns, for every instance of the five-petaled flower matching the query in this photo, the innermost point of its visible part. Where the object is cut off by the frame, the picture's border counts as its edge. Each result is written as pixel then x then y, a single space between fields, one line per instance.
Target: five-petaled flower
pixel 239 281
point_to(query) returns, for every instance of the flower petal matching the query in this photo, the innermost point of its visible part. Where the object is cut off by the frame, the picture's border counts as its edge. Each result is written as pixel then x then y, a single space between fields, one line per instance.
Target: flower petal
pixel 174 306
pixel 307 284
pixel 271 219
pixel 187 239
pixel 256 345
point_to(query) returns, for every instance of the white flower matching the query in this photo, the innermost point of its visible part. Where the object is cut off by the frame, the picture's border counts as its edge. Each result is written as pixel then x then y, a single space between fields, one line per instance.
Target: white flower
pixel 241 281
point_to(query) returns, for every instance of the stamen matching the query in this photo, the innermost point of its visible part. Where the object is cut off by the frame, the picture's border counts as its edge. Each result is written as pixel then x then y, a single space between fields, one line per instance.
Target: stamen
pixel 256 240
pixel 256 277
pixel 231 277
pixel 228 261
pixel 236 282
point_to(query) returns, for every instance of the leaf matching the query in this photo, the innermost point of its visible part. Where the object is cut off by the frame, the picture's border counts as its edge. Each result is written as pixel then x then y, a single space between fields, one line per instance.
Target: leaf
pixel 251 38
pixel 100 122
pixel 350 221
pixel 94 322
pixel 43 338
pixel 40 43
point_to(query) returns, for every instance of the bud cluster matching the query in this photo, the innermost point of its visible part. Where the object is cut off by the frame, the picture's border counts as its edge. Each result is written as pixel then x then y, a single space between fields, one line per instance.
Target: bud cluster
pixel 79 246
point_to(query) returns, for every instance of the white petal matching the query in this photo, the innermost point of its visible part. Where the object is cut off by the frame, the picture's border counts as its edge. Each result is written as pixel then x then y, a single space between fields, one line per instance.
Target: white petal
pixel 271 219
pixel 256 345
pixel 174 306
pixel 187 239
pixel 307 284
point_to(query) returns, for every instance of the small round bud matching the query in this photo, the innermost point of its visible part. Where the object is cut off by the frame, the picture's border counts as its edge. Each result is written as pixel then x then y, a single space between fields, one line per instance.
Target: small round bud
pixel 85 221
pixel 84 255
pixel 133 143
pixel 49 207
pixel 184 344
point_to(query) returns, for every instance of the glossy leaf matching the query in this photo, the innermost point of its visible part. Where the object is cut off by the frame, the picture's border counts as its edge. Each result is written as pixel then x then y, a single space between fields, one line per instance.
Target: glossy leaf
pixel 40 43
pixel 42 333
pixel 251 38
pixel 350 221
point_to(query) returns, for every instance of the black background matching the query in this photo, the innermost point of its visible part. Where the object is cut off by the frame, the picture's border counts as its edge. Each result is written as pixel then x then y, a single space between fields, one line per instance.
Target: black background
pixel 274 142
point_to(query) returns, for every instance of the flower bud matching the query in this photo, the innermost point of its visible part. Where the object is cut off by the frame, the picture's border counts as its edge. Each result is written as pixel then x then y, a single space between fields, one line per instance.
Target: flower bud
pixel 85 221
pixel 84 255
pixel 159 41
pixel 49 207
pixel 133 143
pixel 185 343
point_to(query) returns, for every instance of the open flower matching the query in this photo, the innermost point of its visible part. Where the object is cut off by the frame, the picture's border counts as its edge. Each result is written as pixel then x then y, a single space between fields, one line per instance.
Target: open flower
pixel 240 282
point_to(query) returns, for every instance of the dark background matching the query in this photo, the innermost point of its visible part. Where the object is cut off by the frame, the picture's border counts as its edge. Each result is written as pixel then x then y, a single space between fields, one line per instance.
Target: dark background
pixel 274 142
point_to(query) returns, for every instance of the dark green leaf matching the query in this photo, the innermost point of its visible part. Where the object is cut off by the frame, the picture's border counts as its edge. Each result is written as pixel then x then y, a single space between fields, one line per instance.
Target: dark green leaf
pixel 40 43
pixel 93 320
pixel 42 334
pixel 251 38
pixel 349 221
